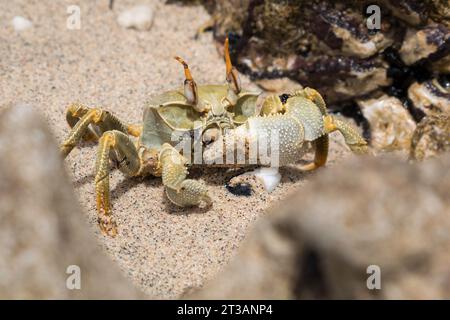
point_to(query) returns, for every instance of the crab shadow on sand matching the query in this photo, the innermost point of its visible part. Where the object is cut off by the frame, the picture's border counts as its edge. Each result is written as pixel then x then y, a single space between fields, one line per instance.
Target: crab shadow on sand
pixel 211 176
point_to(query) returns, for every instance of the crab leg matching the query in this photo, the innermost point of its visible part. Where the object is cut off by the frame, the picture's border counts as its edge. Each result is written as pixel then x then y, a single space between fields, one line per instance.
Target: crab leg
pixel 73 114
pixel 181 191
pixel 128 163
pixel 80 117
pixel 352 138
pixel 321 154
pixel 314 96
pixel 322 143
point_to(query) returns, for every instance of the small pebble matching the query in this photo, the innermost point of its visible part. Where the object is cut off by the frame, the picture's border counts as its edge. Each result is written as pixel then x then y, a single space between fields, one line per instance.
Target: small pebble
pixel 138 17
pixel 270 177
pixel 21 23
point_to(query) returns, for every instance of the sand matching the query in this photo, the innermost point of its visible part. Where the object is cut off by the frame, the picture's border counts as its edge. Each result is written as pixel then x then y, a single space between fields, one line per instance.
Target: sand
pixel 164 250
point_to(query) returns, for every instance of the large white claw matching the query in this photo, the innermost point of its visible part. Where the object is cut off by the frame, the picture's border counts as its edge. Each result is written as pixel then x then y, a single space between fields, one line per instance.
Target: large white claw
pixel 274 140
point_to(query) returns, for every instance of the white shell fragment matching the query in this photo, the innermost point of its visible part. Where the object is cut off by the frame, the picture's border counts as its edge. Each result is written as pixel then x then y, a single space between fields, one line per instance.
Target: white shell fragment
pixel 21 23
pixel 138 17
pixel 391 125
pixel 270 177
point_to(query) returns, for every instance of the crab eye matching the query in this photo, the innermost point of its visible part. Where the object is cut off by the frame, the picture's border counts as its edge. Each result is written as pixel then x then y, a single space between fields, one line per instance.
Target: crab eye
pixel 190 87
pixel 210 135
pixel 284 97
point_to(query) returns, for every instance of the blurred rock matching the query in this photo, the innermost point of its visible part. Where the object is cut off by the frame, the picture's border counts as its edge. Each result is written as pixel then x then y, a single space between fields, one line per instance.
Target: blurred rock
pixel 42 229
pixel 320 242
pixel 391 124
pixel 138 17
pixel 421 44
pixel 431 96
pixel 431 138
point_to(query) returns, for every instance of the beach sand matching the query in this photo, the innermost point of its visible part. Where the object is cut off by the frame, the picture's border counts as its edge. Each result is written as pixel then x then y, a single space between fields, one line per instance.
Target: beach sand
pixel 164 250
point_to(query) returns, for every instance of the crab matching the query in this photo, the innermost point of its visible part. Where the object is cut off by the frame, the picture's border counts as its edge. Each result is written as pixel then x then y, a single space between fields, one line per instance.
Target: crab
pixel 212 114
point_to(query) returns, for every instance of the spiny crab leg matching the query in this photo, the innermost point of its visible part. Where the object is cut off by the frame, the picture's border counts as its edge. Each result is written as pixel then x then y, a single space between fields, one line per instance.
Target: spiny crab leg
pixel 352 138
pixel 129 164
pixel 181 191
pixel 80 118
pixel 321 154
pixel 314 96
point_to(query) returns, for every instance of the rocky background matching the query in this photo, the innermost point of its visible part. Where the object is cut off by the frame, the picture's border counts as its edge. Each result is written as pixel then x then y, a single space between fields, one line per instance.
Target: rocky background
pixel 387 78
pixel 332 45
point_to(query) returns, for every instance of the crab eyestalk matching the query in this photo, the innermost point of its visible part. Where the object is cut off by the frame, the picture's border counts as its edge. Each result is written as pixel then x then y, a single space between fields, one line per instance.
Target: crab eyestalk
pixel 232 76
pixel 190 87
pixel 210 135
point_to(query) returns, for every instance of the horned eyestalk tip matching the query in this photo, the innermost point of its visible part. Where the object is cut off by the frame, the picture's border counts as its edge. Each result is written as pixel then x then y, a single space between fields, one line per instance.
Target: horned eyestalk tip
pixel 187 72
pixel 228 64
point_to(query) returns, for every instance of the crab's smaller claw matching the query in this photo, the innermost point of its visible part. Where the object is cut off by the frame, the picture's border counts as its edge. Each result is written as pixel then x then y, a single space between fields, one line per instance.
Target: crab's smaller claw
pixel 180 191
pixel 190 193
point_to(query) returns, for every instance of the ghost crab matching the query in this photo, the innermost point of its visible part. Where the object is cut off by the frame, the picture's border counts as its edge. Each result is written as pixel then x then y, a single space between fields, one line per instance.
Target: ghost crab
pixel 149 149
